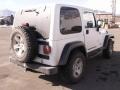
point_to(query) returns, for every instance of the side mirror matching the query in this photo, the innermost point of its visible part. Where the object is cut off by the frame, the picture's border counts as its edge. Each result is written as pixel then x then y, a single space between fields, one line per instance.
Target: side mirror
pixel 89 24
pixel 77 28
pixel 99 23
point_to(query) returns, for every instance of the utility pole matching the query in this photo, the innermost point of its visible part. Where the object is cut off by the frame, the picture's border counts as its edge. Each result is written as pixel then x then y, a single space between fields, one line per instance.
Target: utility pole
pixel 113 10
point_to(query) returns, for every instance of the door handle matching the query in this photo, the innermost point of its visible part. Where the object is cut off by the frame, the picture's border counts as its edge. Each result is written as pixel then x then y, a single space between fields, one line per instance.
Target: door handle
pixel 87 31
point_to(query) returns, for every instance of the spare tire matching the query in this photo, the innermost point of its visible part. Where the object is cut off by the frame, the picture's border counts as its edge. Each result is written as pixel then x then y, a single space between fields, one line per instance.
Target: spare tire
pixel 23 45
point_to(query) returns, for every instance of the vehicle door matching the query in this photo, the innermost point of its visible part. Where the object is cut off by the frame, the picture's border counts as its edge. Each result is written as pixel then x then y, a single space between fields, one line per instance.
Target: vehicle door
pixel 91 33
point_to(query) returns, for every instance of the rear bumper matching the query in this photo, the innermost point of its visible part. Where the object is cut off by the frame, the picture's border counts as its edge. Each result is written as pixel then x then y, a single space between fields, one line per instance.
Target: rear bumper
pixel 48 70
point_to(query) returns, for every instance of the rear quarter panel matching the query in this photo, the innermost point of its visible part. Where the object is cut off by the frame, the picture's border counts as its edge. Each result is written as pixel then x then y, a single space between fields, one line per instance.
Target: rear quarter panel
pixel 40 21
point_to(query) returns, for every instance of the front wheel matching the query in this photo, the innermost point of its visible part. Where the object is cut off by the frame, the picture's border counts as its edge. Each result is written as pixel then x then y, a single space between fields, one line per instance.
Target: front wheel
pixel 73 72
pixel 107 53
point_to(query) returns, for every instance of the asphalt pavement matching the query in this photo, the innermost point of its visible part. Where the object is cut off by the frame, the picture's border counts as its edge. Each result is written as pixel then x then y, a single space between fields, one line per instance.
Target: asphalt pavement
pixel 101 74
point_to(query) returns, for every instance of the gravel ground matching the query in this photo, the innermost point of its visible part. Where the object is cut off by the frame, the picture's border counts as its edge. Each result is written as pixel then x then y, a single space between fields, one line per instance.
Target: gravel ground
pixel 101 74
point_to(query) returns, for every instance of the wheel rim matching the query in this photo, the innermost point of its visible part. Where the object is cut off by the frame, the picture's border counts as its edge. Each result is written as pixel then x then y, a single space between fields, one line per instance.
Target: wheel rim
pixel 19 46
pixel 77 67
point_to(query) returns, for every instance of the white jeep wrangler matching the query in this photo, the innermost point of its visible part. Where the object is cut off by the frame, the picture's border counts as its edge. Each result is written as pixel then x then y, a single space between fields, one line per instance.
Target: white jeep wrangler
pixel 58 38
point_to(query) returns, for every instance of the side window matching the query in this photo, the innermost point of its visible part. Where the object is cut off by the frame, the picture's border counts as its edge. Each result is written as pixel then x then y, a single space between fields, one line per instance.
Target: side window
pixel 70 21
pixel 89 20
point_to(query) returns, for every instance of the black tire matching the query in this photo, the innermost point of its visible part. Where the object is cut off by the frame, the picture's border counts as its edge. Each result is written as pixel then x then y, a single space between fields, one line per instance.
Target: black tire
pixel 30 45
pixel 107 53
pixel 67 72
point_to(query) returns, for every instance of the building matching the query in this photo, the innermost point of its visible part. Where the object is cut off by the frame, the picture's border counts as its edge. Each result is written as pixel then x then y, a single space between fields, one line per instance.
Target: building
pixel 107 17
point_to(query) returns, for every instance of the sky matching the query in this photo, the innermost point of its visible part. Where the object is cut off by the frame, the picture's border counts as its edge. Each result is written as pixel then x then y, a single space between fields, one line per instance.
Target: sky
pixel 103 5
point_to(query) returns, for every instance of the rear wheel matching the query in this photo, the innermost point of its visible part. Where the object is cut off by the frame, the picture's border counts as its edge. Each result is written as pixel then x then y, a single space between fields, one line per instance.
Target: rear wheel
pixel 23 45
pixel 73 72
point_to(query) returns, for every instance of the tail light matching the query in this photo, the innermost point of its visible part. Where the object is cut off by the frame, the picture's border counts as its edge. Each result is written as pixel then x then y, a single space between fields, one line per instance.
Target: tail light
pixel 46 49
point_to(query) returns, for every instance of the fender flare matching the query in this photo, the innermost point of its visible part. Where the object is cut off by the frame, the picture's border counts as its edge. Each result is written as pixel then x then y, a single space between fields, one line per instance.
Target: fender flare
pixel 106 40
pixel 67 50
